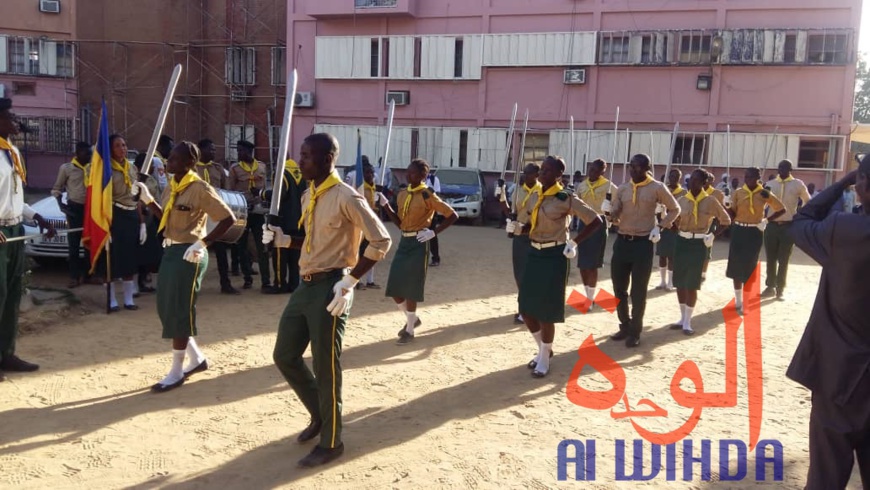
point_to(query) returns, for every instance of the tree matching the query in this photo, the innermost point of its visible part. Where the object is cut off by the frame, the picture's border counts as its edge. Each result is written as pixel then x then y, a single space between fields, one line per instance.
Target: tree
pixel 862 92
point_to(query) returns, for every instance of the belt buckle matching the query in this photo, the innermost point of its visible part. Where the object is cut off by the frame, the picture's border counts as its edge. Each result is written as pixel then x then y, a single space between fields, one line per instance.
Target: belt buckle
pixel 307 277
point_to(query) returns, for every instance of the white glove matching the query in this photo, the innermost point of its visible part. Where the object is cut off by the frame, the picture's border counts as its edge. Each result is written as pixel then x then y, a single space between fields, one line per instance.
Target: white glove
pixel 570 249
pixel 343 291
pixel 511 226
pixel 608 223
pixel 606 206
pixel 661 209
pixel 275 234
pixel 655 235
pixel 195 252
pixel 501 193
pixel 143 234
pixel 381 199
pixel 144 194
pixel 424 236
pixel 708 239
pixel 499 190
pixel 727 201
pixel 763 225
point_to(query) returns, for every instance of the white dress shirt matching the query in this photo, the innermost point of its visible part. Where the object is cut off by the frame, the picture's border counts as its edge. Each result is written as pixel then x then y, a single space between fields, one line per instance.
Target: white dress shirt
pixel 12 204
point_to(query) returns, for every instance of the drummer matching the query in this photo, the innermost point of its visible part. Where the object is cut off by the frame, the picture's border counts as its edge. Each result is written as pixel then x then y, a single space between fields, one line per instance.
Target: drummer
pixel 249 177
pixel 213 174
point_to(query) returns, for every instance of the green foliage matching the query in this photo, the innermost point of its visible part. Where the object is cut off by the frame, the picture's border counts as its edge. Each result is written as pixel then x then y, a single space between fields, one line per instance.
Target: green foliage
pixel 862 92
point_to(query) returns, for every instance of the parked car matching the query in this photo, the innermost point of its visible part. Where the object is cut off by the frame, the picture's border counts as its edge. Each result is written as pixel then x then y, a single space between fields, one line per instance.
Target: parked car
pixel 464 189
pixel 41 247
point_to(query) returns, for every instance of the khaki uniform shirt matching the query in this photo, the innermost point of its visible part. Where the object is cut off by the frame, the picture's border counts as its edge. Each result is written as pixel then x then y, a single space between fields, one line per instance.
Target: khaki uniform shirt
pixel 187 218
pixel 72 179
pixel 638 218
pixel 595 198
pixel 368 194
pixel 424 205
pixel 243 181
pixel 789 193
pixel 521 195
pixel 741 206
pixel 554 216
pixel 341 219
pixel 708 209
pixel 121 192
pixel 212 173
pixel 716 193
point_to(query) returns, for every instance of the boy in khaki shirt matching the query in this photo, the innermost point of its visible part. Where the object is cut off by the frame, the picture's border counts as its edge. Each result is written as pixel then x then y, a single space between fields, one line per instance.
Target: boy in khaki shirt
pixel 590 254
pixel 249 177
pixel 778 242
pixel 213 174
pixel 72 177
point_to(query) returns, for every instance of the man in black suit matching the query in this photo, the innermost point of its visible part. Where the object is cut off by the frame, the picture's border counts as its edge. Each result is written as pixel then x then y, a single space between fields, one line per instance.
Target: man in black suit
pixel 833 357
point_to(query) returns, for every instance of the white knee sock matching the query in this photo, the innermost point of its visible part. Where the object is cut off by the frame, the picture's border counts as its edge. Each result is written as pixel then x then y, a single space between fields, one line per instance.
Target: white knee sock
pixel 738 296
pixel 687 322
pixel 670 279
pixel 403 307
pixel 113 300
pixel 412 320
pixel 663 273
pixel 590 294
pixel 682 314
pixel 370 276
pixel 195 356
pixel 129 287
pixel 175 373
pixel 537 337
pixel 544 358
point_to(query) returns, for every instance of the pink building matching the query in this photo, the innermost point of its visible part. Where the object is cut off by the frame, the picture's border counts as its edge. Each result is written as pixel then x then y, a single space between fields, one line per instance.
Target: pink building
pixel 781 74
pixel 37 71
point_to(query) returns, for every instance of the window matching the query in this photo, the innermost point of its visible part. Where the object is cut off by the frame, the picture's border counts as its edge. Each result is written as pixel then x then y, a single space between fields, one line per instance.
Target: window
pixel 690 150
pixel 19 56
pixel 234 133
pixel 790 48
pixel 655 49
pixel 375 55
pixel 457 58
pixel 385 57
pixel 46 135
pixel 279 66
pixel 537 147
pixel 415 143
pixel 418 57
pixel 695 48
pixel 241 66
pixel 65 60
pixel 614 49
pixel 813 153
pixel 365 4
pixel 463 148
pixel 827 49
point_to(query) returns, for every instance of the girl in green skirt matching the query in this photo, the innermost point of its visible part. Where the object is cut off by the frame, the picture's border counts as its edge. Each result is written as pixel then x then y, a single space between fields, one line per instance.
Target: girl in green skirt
pixel 417 206
pixel 186 204
pixel 665 247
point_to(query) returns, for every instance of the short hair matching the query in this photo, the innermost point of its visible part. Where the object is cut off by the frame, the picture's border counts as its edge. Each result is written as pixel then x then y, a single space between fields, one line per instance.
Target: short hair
pixel 245 144
pixel 864 166
pixel 678 171
pixel 323 144
pixel 139 161
pixel 81 145
pixel 204 142
pixel 421 165
pixel 755 171
pixel 164 140
pixel 786 161
pixel 367 166
pixel 598 162
pixel 578 173
pixel 189 150
pixel 559 161
pixel 112 139
pixel 365 160
pixel 642 159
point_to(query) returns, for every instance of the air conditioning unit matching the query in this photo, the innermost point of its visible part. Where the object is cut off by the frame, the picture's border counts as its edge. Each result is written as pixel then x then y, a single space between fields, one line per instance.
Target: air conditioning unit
pixel 400 97
pixel 575 76
pixel 239 94
pixel 2 91
pixel 304 99
pixel 49 6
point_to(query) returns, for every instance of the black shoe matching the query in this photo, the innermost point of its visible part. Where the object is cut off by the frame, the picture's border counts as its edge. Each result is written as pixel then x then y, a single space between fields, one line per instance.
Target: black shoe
pixel 675 326
pixel 16 364
pixel 247 284
pixel 405 338
pixel 229 290
pixel 255 273
pixel 270 290
pixel 620 335
pixel 435 263
pixel 146 289
pixel 203 366
pixel 320 456
pixel 632 341
pixel 518 319
pixel 779 294
pixel 114 309
pixel 688 332
pixel 131 307
pixel 161 388
pixel 533 364
pixel 404 327
pixel 310 432
pixel 539 374
pixel 372 285
pixel 236 273
pixel 768 292
pixel 2 377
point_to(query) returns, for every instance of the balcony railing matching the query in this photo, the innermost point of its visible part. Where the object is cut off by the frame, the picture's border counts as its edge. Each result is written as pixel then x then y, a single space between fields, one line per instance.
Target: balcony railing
pixel 375 4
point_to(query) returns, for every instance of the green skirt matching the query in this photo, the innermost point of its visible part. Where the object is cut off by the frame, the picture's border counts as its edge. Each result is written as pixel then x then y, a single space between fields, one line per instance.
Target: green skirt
pixel 743 252
pixel 667 245
pixel 520 256
pixel 542 290
pixel 407 278
pixel 590 252
pixel 689 256
pixel 178 287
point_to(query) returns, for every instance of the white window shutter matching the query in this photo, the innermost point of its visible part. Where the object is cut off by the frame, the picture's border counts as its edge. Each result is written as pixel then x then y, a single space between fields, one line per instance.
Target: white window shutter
pixel 800 55
pixel 47 57
pixel 779 46
pixel 635 48
pixel 769 46
pixel 472 57
pixel 725 56
pixel 4 64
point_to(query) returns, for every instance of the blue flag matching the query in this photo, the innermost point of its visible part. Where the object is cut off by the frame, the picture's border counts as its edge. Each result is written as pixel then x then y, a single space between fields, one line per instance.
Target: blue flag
pixel 359 165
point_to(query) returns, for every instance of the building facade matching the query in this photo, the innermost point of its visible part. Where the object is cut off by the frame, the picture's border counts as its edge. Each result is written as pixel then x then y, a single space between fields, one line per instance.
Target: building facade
pixel 780 75
pixel 37 71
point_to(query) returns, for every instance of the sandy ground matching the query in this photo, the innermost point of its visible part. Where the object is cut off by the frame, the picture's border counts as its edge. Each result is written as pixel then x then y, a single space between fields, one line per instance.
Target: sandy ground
pixel 455 409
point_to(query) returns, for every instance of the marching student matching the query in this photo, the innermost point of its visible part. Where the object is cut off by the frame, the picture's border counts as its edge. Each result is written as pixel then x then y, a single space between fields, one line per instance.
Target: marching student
pixel 593 191
pixel 151 252
pixel 335 219
pixel 186 204
pixel 747 234
pixel 214 175
pixel 542 289
pixel 407 280
pixel 697 211
pixel 719 195
pixel 634 211
pixel 374 198
pixel 778 242
pixel 516 228
pixel 248 176
pixel 665 248
pixel 71 177
pixel 286 260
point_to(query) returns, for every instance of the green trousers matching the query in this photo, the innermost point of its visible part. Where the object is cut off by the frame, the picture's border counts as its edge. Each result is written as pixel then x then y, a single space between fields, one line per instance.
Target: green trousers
pixel 11 272
pixel 631 264
pixel 778 245
pixel 305 320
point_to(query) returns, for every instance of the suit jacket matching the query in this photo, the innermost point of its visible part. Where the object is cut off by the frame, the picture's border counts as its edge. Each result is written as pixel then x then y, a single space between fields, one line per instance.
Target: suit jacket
pixel 834 353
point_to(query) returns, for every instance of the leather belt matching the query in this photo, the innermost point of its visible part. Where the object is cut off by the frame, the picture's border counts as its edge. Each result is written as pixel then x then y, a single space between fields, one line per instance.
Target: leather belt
pixel 125 208
pixel 167 242
pixel 11 222
pixel 410 233
pixel 632 238
pixel 319 276
pixel 692 236
pixel 544 245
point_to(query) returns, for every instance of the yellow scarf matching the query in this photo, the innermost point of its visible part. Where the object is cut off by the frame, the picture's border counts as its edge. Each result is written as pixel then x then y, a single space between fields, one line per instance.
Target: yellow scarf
pixel 291 167
pixel 124 169
pixel 250 169
pixel 16 160
pixel 529 191
pixel 410 194
pixel 206 173
pixel 782 186
pixel 330 182
pixel 634 188
pixel 176 188
pixel 752 193
pixel 678 190
pixel 696 201
pixel 594 185
pixel 77 164
pixel 552 191
pixel 373 190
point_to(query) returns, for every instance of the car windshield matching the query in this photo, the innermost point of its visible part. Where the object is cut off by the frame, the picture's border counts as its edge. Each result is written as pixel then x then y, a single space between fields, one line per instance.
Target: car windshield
pixel 457 177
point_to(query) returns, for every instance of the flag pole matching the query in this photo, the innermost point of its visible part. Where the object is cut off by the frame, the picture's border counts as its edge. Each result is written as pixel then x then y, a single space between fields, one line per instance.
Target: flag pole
pixel 108 277
pixel 390 115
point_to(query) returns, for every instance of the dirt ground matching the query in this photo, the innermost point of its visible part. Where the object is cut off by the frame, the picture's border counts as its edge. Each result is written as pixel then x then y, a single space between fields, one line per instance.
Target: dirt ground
pixel 455 409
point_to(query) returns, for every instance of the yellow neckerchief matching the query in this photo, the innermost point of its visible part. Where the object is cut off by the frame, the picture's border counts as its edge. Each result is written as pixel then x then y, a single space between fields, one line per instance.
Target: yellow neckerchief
pixel 250 169
pixel 678 190
pixel 77 164
pixel 782 185
pixel 594 185
pixel 696 201
pixel 373 190
pixel 124 169
pixel 529 191
pixel 16 160
pixel 291 167
pixel 758 188
pixel 176 188
pixel 552 191
pixel 634 188
pixel 330 182
pixel 206 173
pixel 410 194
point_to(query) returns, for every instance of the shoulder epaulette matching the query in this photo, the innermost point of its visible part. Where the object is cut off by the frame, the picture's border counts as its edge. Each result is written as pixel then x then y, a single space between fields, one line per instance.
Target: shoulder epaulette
pixel 562 195
pixel 425 194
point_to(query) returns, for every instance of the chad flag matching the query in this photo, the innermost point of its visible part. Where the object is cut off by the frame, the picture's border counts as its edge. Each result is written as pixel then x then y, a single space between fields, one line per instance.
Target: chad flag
pixel 98 203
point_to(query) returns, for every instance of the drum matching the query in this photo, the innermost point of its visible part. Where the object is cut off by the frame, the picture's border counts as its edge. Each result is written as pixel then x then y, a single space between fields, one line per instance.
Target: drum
pixel 239 206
